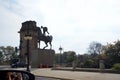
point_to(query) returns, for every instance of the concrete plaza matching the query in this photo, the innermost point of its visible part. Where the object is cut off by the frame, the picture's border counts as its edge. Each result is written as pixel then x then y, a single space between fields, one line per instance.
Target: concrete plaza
pixel 75 75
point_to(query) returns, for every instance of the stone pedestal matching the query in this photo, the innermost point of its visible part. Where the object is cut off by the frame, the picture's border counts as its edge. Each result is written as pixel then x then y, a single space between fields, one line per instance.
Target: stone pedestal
pixel 74 65
pixel 101 65
pixel 42 58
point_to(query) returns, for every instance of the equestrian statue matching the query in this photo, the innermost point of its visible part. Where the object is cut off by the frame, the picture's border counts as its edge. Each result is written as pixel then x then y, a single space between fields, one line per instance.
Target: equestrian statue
pixel 43 37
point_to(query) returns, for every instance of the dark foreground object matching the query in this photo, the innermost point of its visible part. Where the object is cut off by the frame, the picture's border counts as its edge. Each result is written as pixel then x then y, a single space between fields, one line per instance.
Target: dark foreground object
pixel 16 75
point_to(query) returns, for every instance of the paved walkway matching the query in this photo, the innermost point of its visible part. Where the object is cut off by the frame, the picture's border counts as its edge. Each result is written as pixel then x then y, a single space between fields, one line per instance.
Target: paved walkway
pixel 75 75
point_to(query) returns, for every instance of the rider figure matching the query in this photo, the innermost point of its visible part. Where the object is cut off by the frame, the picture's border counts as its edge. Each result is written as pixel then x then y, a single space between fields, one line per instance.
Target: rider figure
pixel 44 30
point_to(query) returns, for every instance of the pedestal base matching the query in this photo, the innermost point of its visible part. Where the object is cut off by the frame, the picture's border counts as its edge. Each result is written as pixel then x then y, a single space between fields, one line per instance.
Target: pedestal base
pixel 42 58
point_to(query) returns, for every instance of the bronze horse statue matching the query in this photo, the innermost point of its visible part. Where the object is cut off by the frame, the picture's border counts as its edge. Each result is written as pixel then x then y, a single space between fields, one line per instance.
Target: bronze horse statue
pixel 45 39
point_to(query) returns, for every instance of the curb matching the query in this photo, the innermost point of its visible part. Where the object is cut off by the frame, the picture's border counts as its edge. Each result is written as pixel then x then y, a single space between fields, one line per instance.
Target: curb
pixel 89 70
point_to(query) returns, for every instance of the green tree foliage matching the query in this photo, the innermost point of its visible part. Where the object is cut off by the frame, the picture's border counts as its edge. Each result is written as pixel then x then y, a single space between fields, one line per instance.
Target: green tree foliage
pixel 82 59
pixel 86 61
pixel 94 53
pixel 1 57
pixel 66 58
pixel 7 53
pixel 57 58
pixel 71 56
pixel 116 66
pixel 112 53
pixel 89 63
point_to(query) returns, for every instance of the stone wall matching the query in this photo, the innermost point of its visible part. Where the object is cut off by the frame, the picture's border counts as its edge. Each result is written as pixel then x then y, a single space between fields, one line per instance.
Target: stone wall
pixel 28 27
pixel 42 57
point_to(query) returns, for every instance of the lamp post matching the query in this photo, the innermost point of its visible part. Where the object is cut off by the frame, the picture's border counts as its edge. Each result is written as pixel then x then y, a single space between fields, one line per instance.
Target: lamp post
pixel 28 37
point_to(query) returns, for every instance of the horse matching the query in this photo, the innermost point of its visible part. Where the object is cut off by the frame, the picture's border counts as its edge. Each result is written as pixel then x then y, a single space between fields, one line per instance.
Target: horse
pixel 45 39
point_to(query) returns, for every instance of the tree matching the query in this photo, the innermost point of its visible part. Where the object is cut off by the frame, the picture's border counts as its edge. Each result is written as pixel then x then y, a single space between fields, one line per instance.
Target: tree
pixel 95 48
pixel 82 59
pixel 89 63
pixel 57 58
pixel 66 58
pixel 71 56
pixel 1 57
pixel 2 49
pixel 7 53
pixel 112 53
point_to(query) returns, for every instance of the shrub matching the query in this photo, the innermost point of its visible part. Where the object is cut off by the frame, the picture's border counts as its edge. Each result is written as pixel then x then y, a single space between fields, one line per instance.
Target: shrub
pixel 116 66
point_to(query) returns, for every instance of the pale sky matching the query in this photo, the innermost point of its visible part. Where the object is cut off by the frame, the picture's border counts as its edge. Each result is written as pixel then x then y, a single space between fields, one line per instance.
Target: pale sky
pixel 74 24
